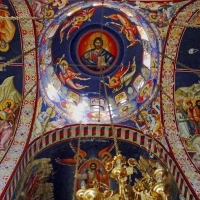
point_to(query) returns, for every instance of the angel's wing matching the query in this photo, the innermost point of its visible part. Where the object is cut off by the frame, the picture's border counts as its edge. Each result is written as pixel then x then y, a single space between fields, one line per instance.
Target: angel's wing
pixel 74 148
pixel 66 161
pixel 106 149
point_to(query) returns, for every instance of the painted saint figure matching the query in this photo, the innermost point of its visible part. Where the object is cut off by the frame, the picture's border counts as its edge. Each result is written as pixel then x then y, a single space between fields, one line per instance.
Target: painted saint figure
pixel 97 57
pixel 67 74
pixel 93 172
pixel 6 132
pixel 7 28
pixel 121 77
pixel 145 92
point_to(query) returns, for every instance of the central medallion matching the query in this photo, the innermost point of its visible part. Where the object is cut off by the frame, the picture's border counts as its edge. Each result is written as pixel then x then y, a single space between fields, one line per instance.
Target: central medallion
pixel 97 50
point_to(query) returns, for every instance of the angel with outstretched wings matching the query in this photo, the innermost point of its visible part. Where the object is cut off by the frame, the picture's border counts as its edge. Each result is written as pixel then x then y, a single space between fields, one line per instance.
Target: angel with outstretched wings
pixel 128 29
pixel 67 74
pixel 121 77
pixel 76 22
pixel 81 155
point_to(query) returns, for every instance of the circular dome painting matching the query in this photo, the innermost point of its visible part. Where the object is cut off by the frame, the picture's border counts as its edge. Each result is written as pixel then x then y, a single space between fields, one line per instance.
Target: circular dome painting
pixel 97 51
pixel 93 56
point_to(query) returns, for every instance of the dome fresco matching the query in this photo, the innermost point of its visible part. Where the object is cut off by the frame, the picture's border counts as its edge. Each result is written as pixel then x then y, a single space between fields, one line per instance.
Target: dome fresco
pixel 130 53
pixel 68 68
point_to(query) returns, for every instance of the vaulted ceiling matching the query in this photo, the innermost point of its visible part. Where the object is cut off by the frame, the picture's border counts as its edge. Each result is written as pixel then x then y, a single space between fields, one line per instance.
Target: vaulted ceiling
pixel 73 68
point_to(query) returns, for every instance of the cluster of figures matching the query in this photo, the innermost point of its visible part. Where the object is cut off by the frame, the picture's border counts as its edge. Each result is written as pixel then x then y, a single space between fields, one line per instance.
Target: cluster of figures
pixel 155 183
pixel 188 117
pixel 34 183
pixel 149 121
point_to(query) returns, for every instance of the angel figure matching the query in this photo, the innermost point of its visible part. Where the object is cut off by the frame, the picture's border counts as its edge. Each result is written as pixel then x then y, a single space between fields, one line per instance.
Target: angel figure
pixel 67 74
pixel 162 16
pixel 105 154
pixel 43 118
pixel 76 22
pixel 121 77
pixel 125 27
pixel 72 161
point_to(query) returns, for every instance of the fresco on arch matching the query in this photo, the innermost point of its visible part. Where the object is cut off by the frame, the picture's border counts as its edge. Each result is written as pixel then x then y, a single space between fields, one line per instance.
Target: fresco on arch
pixel 34 181
pixel 10 76
pixel 187 114
pixel 149 120
pixel 93 155
pixel 187 90
pixel 46 119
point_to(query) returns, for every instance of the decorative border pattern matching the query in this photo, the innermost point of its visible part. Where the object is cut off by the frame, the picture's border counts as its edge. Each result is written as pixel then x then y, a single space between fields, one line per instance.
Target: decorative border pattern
pixel 16 149
pixel 168 111
pixel 91 131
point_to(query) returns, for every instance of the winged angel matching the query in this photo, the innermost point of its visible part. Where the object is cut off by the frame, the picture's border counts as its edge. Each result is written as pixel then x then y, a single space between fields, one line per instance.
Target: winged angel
pixel 121 77
pixel 125 27
pixel 67 74
pixel 75 22
pixel 104 155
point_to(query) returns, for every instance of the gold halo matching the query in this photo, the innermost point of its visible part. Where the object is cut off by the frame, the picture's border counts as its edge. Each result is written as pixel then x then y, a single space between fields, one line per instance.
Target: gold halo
pixel 64 63
pixel 107 154
pixel 144 112
pixel 113 78
pixel 50 112
pixel 95 115
pixel 4 49
pixel 2 115
pixel 197 21
pixel 49 14
pixel 93 161
pixel 153 17
pixel 128 106
pixel 149 87
pixel 10 101
pixel 101 35
pixel 76 156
